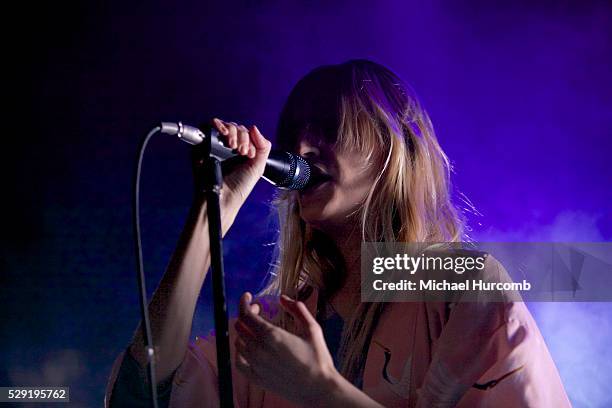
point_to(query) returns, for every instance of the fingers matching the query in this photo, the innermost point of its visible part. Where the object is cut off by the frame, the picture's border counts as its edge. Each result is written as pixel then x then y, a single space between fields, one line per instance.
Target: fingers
pixel 252 152
pixel 227 130
pixel 252 330
pixel 220 126
pixel 246 141
pixel 255 308
pixel 244 303
pixel 249 316
pixel 243 330
pixel 300 313
pixel 242 363
pixel 245 341
pixel 241 347
pixel 248 299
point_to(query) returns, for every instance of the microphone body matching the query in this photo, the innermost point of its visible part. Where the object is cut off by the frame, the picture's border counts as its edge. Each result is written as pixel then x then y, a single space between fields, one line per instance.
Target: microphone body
pixel 283 169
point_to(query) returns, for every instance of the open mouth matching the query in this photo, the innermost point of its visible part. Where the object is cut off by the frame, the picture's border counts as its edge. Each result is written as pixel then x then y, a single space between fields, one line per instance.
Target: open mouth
pixel 317 178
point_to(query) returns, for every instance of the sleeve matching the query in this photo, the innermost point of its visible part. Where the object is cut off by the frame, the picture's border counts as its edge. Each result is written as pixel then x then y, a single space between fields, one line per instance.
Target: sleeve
pixel 196 380
pixel 491 354
pixel 129 388
pixel 194 384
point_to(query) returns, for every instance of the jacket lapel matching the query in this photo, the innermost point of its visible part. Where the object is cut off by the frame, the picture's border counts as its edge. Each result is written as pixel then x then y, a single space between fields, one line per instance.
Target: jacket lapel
pixel 388 374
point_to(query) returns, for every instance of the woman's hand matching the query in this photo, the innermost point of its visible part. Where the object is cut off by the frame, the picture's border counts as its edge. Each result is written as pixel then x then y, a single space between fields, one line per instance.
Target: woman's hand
pixel 238 180
pixel 299 368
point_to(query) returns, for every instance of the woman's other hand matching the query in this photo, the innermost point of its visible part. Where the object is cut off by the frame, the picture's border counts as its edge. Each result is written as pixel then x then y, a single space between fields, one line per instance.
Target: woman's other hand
pixel 298 368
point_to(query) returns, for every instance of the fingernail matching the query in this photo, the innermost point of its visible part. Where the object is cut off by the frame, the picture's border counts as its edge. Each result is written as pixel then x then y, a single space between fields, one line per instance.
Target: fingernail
pixel 222 128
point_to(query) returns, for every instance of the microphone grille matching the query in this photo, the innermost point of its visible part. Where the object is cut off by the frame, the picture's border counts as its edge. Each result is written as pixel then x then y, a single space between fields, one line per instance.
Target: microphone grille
pixel 299 174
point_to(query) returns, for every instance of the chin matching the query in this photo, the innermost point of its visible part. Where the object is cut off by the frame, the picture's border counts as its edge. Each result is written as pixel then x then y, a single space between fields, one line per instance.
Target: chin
pixel 314 216
pixel 324 211
pixel 325 221
pixel 316 207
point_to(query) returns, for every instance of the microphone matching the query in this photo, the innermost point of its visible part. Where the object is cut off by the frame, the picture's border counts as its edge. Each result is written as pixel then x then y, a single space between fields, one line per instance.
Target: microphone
pixel 283 169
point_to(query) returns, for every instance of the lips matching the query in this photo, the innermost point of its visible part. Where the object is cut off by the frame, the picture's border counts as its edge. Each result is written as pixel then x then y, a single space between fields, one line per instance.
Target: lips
pixel 317 178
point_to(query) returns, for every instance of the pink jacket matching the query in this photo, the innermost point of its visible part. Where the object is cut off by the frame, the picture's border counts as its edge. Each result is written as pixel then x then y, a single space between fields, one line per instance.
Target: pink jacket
pixel 436 355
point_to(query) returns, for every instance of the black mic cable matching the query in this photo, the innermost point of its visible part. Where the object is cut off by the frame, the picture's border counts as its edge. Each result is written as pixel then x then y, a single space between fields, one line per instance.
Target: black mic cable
pixel 142 287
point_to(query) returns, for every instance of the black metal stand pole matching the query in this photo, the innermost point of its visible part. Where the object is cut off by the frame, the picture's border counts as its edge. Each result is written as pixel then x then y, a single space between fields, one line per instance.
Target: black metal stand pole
pixel 212 188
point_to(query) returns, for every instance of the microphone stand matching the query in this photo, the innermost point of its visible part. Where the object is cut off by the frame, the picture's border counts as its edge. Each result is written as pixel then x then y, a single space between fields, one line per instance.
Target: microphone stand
pixel 283 169
pixel 212 182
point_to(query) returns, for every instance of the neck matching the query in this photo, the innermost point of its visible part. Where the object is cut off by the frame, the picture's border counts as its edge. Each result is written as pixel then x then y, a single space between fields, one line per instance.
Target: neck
pixel 348 242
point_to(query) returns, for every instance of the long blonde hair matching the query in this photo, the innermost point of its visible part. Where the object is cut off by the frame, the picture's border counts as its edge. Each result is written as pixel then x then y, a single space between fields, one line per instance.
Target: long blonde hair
pixel 364 107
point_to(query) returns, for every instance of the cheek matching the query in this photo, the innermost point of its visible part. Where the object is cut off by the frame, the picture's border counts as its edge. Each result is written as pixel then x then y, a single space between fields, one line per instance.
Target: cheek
pixel 352 191
pixel 342 199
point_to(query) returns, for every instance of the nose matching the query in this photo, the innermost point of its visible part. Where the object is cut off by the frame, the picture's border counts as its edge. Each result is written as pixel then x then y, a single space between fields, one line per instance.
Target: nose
pixel 308 150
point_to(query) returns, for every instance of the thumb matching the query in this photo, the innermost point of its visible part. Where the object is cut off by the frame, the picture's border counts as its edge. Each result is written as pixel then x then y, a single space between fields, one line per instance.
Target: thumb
pixel 301 314
pixel 260 142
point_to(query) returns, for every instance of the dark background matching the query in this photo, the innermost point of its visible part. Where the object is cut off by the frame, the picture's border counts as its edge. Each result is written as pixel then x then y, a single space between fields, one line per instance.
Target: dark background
pixel 520 95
